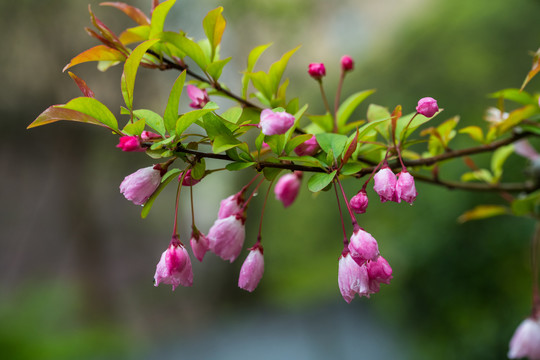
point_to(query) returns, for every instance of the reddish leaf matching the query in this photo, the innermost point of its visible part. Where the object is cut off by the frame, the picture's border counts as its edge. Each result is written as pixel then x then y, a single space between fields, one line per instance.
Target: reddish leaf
pixel 82 85
pixel 351 149
pixel 106 32
pixel 155 4
pixel 535 69
pixel 95 35
pixel 53 114
pixel 97 53
pixel 134 13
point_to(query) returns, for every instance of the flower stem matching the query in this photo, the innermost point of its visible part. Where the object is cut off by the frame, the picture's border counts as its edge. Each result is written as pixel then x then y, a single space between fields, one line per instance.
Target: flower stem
pixel 325 99
pixel 353 219
pixel 345 238
pixel 336 101
pixel 244 207
pixel 259 236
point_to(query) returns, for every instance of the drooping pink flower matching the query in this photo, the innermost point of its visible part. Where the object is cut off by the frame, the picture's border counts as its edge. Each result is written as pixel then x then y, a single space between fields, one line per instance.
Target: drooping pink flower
pixel 526 340
pixel 379 272
pixel 287 188
pixel 199 97
pixel 140 185
pixel 231 206
pixel 363 247
pixel 275 123
pixel 385 185
pixel 352 278
pixel 308 147
pixel 188 179
pixel 148 135
pixel 316 70
pixel 252 269
pixel 199 244
pixel 523 147
pixel 359 202
pixel 226 237
pixel 130 143
pixel 427 106
pixel 174 267
pixel 347 63
pixel 405 189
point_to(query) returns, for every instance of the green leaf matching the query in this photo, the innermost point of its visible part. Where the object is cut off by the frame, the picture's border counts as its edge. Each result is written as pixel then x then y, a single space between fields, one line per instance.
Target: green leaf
pixel 135 34
pixel 517 116
pixel 170 116
pixel 319 181
pixel 475 132
pixel 187 46
pixel 189 118
pixel 222 138
pixel 271 173
pixel 325 121
pixel 97 53
pixel 375 113
pixel 214 69
pixel 497 160
pixel 297 116
pixel 515 95
pixel 351 168
pixel 165 180
pixel 94 108
pixel 252 60
pixel 478 175
pixel 55 113
pixel 416 122
pixel 277 69
pixel 295 141
pixel 135 128
pixel 214 26
pixel 350 104
pixel 332 142
pixel 276 143
pixel 198 171
pixel 239 165
pixel 262 82
pixel 232 114
pixel 308 160
pixel 152 119
pixel 259 141
pixel 162 143
pixel 158 17
pixel 130 70
pixel 483 212
pixel 527 205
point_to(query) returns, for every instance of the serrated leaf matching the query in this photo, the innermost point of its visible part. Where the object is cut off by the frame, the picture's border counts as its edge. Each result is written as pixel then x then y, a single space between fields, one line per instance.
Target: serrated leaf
pixel 130 71
pixel 332 142
pixel 167 178
pixel 483 212
pixel 214 26
pixel 94 108
pixel 350 104
pixel 497 160
pixel 186 46
pixel 134 13
pixel 319 181
pixel 239 165
pixel 189 118
pixel 215 68
pixel 152 119
pixel 135 128
pixel 158 17
pixel 252 60
pixel 515 95
pixel 475 132
pixel 170 117
pixel 97 53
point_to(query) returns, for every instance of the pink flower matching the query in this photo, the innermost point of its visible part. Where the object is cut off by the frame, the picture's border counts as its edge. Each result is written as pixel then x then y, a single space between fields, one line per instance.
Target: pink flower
pixel 252 269
pixel 226 237
pixel 359 202
pixel 199 244
pixel 231 206
pixel 523 147
pixel 275 123
pixel 316 70
pixel 287 188
pixel 363 247
pixel 188 180
pixel 308 147
pixel 140 185
pixel 405 189
pixel 148 135
pixel 352 278
pixel 174 267
pixel 427 106
pixel 526 340
pixel 379 271
pixel 130 143
pixel 199 97
pixel 347 63
pixel 385 185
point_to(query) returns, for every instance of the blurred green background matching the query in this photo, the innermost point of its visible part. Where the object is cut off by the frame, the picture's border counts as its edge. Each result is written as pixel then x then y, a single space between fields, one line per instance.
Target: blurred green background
pixel 76 260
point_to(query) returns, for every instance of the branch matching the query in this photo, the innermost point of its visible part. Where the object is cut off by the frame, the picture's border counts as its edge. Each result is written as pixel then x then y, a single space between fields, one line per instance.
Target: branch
pixel 508 187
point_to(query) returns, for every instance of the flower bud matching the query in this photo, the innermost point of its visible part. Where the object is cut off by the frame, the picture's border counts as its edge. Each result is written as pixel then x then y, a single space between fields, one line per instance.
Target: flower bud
pixel 347 63
pixel 199 244
pixel 359 202
pixel 352 278
pixel 148 135
pixel 252 270
pixel 275 123
pixel 287 188
pixel 379 271
pixel 427 106
pixel 526 340
pixel 231 206
pixel 130 143
pixel 140 185
pixel 385 185
pixel 188 179
pixel 316 70
pixel 199 97
pixel 405 189
pixel 226 237
pixel 174 267
pixel 308 147
pixel 363 247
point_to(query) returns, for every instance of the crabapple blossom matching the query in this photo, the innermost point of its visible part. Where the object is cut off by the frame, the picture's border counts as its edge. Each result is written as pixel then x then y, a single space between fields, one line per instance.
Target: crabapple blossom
pixel 363 247
pixel 174 267
pixel 526 340
pixel 226 237
pixel 130 143
pixel 385 185
pixel 308 147
pixel 359 202
pixel 275 122
pixel 199 97
pixel 317 70
pixel 352 278
pixel 140 185
pixel 287 188
pixel 252 269
pixel 379 271
pixel 231 206
pixel 427 106
pixel 347 63
pixel 405 189
pixel 199 244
